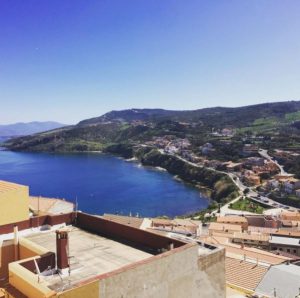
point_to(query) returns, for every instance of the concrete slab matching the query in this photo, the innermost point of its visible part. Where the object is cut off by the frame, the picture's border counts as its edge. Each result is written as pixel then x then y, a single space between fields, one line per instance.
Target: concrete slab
pixel 89 255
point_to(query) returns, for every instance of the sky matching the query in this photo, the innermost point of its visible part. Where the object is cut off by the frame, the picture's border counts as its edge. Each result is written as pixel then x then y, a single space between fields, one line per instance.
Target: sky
pixel 68 60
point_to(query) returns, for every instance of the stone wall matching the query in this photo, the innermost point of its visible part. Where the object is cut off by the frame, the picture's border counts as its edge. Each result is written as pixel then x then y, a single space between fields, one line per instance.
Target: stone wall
pixel 179 274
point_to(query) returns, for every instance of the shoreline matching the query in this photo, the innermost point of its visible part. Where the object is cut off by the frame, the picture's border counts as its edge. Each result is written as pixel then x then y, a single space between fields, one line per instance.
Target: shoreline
pixel 204 191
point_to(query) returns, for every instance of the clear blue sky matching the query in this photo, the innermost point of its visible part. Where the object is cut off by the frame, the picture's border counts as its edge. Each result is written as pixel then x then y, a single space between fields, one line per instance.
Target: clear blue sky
pixel 69 60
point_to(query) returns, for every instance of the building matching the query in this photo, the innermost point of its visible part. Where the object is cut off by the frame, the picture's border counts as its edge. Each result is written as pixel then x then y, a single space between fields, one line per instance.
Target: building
pixel 251 239
pixel 235 220
pixel 254 161
pixel 101 258
pixel 80 255
pixel 216 228
pixel 286 244
pixel 233 166
pixel 290 184
pixel 263 221
pixel 245 267
pixel 250 149
pixel 207 148
pixel 280 281
pixel 251 178
pixel 177 225
pixel 42 206
pixel 11 196
pixel 290 215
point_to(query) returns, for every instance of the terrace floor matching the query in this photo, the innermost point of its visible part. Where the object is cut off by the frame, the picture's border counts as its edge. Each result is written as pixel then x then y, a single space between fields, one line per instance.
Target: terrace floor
pixel 89 254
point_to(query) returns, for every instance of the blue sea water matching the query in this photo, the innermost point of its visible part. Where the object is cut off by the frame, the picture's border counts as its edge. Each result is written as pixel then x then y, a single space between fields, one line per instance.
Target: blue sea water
pixel 101 183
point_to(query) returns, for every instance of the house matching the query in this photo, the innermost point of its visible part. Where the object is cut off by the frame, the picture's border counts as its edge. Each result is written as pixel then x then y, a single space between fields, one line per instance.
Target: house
pixel 286 244
pixel 290 215
pixel 281 281
pixel 233 166
pixel 234 220
pixel 291 184
pixel 81 255
pixel 254 161
pixel 263 221
pixel 251 178
pixel 250 149
pixel 216 228
pixel 251 239
pixel 227 132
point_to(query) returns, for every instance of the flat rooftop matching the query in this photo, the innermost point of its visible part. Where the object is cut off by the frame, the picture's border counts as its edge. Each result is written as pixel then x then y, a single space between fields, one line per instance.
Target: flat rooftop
pixel 90 255
pixel 8 186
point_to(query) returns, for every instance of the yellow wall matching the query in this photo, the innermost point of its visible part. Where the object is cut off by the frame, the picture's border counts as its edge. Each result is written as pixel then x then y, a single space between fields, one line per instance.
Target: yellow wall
pixel 27 282
pixel 90 290
pixel 28 249
pixel 14 205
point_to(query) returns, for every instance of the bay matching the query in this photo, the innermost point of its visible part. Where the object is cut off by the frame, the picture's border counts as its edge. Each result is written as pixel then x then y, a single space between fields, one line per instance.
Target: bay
pixel 101 183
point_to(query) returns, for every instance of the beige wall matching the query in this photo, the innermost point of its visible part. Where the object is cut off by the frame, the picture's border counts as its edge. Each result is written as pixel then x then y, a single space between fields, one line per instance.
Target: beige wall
pixel 14 205
pixel 90 290
pixel 176 275
pixel 28 249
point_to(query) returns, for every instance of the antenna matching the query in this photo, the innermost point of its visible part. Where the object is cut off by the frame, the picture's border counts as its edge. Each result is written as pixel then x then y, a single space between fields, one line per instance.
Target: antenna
pixel 76 209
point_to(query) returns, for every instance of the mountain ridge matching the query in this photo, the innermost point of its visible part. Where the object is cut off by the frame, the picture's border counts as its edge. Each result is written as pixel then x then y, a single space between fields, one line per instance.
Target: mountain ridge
pixel 28 128
pixel 142 125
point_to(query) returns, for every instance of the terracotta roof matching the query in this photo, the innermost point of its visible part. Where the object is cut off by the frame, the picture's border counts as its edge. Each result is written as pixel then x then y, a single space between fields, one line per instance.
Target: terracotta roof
pixel 251 236
pixel 161 221
pixel 232 219
pixel 186 222
pixel 262 230
pixel 285 254
pixel 8 186
pixel 289 215
pixel 50 205
pixel 125 220
pixel 287 233
pixel 244 274
pixel 236 251
pixel 224 227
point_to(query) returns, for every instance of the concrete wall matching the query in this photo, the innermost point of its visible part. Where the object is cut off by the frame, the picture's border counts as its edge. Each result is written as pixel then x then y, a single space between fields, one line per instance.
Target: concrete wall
pixel 170 275
pixel 120 232
pixel 34 222
pixel 213 268
pixel 14 205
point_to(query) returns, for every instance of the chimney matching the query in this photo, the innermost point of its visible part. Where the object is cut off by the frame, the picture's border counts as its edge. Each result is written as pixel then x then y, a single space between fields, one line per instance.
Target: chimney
pixel 62 246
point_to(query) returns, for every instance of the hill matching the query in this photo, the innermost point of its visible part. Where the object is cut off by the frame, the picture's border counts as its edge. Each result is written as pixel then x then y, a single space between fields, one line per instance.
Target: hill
pixel 23 129
pixel 272 120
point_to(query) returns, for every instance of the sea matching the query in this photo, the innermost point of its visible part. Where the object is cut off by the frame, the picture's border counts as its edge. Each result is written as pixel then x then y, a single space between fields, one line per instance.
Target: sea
pixel 102 183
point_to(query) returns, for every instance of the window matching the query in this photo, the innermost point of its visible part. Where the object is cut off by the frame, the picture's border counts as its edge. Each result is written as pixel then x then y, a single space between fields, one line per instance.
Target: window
pixel 288 250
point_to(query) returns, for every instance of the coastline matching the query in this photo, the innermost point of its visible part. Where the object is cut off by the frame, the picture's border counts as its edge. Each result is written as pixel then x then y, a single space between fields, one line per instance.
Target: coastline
pixel 204 180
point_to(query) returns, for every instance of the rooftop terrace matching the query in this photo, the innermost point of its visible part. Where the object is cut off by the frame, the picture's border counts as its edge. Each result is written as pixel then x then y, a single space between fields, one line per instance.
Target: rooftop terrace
pixel 90 255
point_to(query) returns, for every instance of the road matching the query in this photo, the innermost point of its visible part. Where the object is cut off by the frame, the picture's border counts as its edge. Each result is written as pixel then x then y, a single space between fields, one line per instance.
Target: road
pixel 264 153
pixel 253 195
